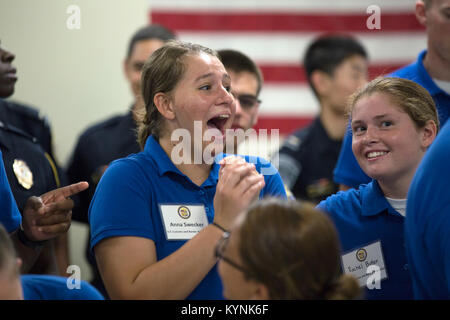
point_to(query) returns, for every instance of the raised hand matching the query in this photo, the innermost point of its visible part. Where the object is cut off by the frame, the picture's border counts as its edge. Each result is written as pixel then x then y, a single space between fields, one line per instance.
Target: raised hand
pixel 50 215
pixel 239 185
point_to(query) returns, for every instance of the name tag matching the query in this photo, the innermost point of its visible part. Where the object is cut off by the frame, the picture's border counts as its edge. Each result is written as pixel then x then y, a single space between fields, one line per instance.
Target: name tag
pixel 357 261
pixel 183 222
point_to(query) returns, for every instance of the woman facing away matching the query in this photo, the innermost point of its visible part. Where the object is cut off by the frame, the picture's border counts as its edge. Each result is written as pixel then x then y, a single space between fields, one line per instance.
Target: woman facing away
pixel 156 215
pixel 393 121
pixel 283 249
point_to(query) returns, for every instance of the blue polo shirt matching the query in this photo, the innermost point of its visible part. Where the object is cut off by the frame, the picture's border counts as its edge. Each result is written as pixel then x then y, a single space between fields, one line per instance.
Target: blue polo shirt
pixel 9 213
pixel 46 287
pixel 347 169
pixel 128 198
pixel 364 217
pixel 427 225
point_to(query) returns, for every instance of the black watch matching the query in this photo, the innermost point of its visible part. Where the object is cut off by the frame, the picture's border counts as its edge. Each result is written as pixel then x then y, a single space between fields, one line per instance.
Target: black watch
pixel 27 242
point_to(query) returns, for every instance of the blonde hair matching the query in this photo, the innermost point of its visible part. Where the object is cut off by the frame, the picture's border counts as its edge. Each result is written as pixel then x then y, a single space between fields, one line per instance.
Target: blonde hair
pixel 409 96
pixel 161 73
pixel 294 250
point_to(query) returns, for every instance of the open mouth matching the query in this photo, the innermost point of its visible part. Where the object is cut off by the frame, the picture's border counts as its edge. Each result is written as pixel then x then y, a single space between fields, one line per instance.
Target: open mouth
pixel 218 122
pixel 375 155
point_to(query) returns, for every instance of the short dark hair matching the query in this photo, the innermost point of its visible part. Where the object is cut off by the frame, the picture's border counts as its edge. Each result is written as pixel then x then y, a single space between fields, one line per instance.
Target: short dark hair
pixel 238 62
pixel 153 31
pixel 327 52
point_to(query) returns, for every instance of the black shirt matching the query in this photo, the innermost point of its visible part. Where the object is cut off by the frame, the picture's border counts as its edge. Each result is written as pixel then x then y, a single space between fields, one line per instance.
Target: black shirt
pixel 306 162
pixel 30 169
pixel 95 149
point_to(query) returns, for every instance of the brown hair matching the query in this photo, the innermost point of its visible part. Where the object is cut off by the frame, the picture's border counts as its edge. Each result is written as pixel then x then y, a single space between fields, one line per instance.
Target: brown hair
pixel 293 249
pixel 238 62
pixel 161 73
pixel 409 96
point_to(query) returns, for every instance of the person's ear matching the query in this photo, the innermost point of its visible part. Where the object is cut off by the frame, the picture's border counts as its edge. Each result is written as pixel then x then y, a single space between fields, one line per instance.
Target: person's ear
pixel 261 292
pixel 18 263
pixel 164 104
pixel 420 11
pixel 429 132
pixel 321 82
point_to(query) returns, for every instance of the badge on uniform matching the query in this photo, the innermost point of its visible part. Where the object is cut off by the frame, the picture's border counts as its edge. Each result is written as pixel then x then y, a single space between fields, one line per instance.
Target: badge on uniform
pixel 23 173
pixel 360 263
pixel 182 221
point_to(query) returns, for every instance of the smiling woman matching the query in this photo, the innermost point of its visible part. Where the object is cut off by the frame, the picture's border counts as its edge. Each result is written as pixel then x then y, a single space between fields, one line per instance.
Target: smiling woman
pixel 155 220
pixel 394 121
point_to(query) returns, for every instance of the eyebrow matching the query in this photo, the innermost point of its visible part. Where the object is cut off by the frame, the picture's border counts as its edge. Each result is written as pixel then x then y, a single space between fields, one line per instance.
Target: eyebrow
pixel 207 75
pixel 385 115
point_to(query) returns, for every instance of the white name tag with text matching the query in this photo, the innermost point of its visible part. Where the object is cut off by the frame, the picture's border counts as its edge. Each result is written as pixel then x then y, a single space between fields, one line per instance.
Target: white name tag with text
pixel 181 221
pixel 358 261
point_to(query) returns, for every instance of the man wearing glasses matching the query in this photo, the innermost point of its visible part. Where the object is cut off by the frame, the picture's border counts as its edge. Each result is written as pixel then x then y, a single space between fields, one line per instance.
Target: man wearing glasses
pixel 246 83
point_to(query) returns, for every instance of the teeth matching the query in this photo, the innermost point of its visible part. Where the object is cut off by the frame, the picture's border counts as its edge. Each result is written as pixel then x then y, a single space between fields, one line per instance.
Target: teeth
pixel 224 116
pixel 376 154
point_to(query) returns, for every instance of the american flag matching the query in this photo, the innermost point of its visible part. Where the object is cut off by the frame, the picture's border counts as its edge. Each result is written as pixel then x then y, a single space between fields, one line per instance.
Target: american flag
pixel 276 33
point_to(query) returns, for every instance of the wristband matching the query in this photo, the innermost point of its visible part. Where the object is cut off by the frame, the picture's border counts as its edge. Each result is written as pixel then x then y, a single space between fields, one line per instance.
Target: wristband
pixel 219 226
pixel 27 242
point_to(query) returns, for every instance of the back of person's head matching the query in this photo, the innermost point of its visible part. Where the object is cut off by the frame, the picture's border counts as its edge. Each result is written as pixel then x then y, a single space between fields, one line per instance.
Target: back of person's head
pixel 327 52
pixel 238 62
pixel 153 31
pixel 409 96
pixel 293 249
pixel 161 73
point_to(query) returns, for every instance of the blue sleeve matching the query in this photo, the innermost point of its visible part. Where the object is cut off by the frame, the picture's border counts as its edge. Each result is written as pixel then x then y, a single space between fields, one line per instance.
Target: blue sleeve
pixel 9 213
pixel 45 287
pixel 322 206
pixel 121 203
pixel 274 184
pixel 347 170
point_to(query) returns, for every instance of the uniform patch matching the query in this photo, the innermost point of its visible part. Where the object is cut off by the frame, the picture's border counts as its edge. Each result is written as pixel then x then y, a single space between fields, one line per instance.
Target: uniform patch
pixel 23 173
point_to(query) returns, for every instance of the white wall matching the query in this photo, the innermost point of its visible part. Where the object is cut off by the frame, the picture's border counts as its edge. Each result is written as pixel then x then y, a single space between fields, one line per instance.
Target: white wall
pixel 73 76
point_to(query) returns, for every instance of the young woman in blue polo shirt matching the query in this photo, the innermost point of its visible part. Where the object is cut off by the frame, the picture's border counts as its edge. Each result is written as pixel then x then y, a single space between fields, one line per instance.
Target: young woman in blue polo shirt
pixel 156 216
pixel 393 123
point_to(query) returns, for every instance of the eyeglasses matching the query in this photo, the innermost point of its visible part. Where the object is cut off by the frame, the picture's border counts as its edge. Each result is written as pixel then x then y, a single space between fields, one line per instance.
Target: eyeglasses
pixel 220 250
pixel 247 101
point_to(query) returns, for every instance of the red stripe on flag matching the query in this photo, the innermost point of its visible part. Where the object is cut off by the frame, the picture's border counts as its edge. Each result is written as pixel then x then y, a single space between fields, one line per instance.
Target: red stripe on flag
pixel 296 73
pixel 287 22
pixel 286 124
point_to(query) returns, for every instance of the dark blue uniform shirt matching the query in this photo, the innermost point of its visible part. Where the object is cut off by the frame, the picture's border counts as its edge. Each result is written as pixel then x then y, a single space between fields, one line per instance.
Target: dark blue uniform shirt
pixel 306 162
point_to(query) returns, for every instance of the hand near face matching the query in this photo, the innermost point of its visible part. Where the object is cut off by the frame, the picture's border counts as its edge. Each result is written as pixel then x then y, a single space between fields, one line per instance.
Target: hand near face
pixel 239 185
pixel 49 215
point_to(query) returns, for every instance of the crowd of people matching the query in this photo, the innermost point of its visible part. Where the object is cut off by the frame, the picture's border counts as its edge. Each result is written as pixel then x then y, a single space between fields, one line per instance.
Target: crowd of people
pixel 357 207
